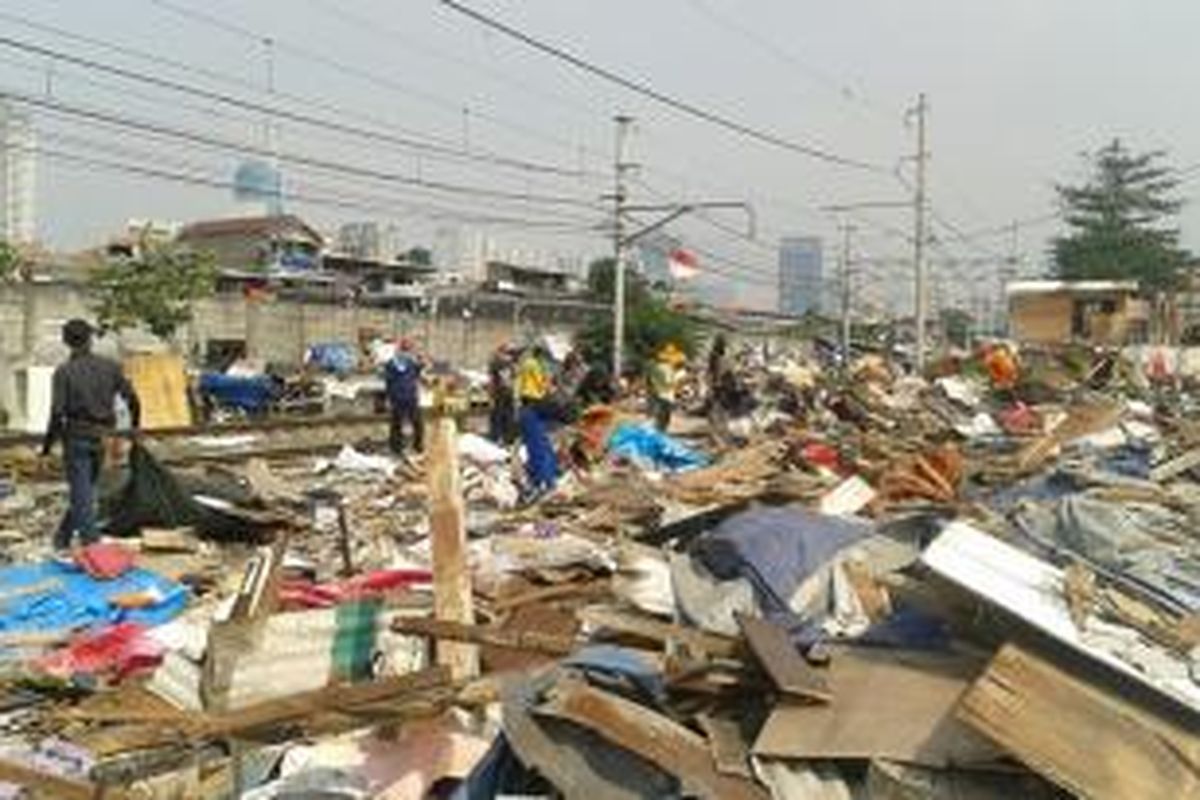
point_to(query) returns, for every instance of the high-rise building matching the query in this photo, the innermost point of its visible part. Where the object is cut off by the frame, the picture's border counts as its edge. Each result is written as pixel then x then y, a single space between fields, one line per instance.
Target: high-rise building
pixel 18 172
pixel 801 275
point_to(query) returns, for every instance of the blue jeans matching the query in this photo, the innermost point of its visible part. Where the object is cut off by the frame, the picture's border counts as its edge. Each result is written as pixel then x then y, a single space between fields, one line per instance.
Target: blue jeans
pixel 541 466
pixel 82 456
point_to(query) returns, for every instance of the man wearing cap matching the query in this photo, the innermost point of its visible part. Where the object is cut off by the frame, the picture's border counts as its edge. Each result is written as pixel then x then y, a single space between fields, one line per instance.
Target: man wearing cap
pixel 402 376
pixel 82 412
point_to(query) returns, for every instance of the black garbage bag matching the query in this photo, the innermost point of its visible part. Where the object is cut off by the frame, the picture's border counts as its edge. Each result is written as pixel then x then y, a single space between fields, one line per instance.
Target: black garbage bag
pixel 151 496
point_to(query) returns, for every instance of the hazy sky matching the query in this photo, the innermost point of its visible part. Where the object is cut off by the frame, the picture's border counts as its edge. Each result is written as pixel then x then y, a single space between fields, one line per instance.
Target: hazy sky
pixel 1017 89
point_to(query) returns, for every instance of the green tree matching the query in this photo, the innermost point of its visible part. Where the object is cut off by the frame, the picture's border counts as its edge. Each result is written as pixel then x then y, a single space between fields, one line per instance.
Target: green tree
pixel 154 289
pixel 12 263
pixel 1121 221
pixel 650 321
pixel 957 325
pixel 420 256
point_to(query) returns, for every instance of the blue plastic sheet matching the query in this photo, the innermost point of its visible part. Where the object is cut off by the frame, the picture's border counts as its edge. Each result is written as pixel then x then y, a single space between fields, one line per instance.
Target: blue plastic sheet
pixel 251 394
pixel 70 598
pixel 776 548
pixel 643 444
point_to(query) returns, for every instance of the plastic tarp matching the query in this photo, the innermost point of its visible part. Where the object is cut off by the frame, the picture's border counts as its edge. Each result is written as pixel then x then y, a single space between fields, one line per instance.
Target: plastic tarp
pixel 644 445
pixel 151 496
pixel 51 596
pixel 252 394
pixel 336 357
pixel 776 549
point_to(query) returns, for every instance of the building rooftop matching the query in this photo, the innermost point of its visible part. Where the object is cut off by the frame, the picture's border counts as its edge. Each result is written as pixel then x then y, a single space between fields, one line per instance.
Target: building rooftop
pixel 1075 287
pixel 248 226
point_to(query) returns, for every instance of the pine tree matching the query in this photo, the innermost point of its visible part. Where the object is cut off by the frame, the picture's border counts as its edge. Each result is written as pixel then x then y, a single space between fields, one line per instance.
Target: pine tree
pixel 1121 221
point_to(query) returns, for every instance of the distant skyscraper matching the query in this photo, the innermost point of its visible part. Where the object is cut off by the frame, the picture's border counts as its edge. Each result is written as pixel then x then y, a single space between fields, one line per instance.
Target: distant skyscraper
pixel 18 173
pixel 801 275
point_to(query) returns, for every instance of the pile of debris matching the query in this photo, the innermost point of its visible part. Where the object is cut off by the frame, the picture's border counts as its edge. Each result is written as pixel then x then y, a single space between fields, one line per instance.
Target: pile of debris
pixel 873 587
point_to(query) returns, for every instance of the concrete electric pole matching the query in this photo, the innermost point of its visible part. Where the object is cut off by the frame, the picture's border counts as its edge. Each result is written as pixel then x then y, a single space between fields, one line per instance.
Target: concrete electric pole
pixel 919 234
pixel 847 232
pixel 620 169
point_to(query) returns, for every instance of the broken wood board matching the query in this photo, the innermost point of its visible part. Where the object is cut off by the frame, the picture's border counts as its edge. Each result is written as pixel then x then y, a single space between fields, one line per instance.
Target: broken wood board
pixel 577 761
pixel 1032 590
pixel 651 629
pixel 452 598
pixel 728 744
pixel 886 704
pixel 169 540
pixel 537 641
pixel 1085 737
pixel 46 784
pixel 332 698
pixel 790 673
pixel 891 780
pixel 161 385
pixel 666 743
pixel 1169 469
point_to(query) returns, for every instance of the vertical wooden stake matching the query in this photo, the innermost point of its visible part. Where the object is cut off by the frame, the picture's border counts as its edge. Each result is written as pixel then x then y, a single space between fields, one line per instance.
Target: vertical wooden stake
pixel 452 599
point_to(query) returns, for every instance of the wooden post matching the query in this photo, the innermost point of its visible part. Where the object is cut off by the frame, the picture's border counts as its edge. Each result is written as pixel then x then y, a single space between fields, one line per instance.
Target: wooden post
pixel 452 599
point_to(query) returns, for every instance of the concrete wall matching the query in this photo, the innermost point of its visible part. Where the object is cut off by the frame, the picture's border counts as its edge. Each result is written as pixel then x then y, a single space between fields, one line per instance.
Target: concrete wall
pixel 31 316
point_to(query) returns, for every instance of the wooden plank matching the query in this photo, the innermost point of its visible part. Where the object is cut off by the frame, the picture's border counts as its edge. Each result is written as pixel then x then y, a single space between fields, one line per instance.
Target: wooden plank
pixel 161 385
pixel 886 704
pixel 52 785
pixel 537 641
pixel 1083 736
pixel 729 747
pixel 1182 463
pixel 334 698
pixel 1033 590
pixel 790 673
pixel 452 600
pixel 663 741
pixel 644 627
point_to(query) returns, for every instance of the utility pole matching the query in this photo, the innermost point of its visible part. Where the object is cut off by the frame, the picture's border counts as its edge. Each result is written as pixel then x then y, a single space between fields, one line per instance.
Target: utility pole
pixel 919 208
pixel 847 232
pixel 620 169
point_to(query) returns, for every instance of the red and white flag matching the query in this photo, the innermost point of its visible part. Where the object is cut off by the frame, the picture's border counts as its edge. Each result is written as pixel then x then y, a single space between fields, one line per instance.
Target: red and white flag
pixel 683 264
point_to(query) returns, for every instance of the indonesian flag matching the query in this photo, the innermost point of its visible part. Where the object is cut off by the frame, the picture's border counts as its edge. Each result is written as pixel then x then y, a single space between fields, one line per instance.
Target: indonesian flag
pixel 683 264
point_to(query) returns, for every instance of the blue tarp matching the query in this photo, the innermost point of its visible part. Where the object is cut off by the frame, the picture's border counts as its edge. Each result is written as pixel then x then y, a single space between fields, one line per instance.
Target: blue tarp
pixel 73 599
pixel 252 394
pixel 776 548
pixel 643 444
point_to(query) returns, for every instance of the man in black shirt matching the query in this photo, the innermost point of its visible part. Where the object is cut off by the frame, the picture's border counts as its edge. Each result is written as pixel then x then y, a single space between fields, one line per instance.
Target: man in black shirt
pixel 82 412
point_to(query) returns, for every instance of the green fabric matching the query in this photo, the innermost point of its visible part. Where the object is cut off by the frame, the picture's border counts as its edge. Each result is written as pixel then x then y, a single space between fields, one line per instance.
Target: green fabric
pixel 354 640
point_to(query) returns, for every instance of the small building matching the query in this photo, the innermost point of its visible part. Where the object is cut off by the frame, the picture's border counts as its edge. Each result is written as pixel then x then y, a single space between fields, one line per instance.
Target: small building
pixel 502 276
pixel 1087 312
pixel 257 244
pixel 400 283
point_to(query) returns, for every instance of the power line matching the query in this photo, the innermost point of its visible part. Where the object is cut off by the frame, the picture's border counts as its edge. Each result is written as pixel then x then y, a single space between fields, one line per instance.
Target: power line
pixel 208 74
pixel 292 157
pixel 333 200
pixel 392 34
pixel 386 82
pixel 646 90
pixel 287 114
pixel 842 90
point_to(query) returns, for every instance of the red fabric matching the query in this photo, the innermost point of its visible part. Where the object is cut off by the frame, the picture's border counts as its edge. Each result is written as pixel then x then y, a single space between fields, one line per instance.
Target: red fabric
pixel 118 650
pixel 821 455
pixel 105 561
pixel 299 593
pixel 1020 419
